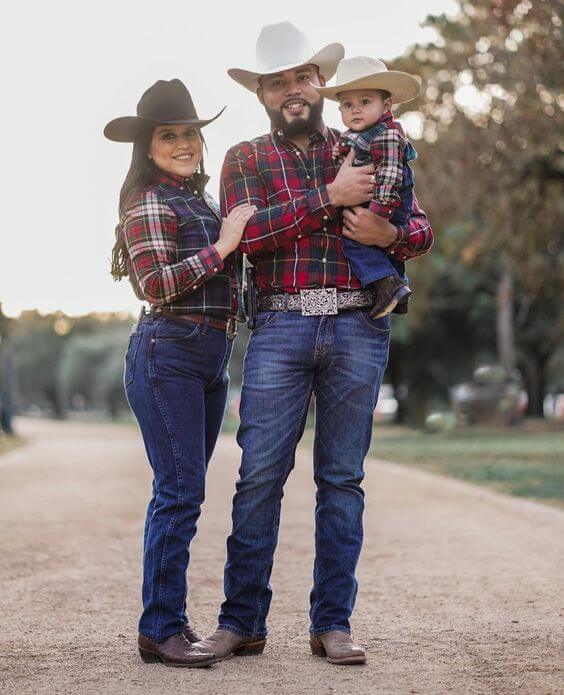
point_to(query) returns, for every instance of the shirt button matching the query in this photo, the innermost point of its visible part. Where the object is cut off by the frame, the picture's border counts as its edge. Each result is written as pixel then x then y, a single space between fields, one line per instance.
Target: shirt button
pixel 299 236
pixel 181 188
pixel 194 287
pixel 324 229
pixel 324 260
pixel 391 253
pixel 195 192
pixel 215 270
pixel 325 217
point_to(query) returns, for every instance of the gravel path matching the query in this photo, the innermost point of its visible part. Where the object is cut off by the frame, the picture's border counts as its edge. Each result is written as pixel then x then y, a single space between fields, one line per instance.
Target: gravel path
pixel 460 588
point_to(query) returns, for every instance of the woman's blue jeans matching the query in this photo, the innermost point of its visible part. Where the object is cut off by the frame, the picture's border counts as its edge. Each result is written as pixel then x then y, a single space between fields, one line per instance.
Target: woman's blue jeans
pixel 176 383
pixel 341 360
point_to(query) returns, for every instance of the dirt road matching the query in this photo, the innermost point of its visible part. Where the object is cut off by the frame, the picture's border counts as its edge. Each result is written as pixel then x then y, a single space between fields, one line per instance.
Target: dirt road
pixel 461 590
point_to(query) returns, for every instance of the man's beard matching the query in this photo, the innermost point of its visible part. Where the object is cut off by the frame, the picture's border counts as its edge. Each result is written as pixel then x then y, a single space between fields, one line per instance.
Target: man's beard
pixel 297 126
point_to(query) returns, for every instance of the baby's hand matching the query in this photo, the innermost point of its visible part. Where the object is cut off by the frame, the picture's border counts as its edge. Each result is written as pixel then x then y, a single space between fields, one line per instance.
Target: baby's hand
pixel 335 153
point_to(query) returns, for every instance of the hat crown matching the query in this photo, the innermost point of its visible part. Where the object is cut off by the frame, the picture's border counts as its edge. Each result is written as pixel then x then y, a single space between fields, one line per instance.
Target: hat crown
pixel 167 100
pixel 281 44
pixel 350 69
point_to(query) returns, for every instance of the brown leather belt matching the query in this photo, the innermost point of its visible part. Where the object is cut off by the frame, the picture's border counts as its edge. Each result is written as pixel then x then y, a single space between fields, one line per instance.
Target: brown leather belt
pixel 229 326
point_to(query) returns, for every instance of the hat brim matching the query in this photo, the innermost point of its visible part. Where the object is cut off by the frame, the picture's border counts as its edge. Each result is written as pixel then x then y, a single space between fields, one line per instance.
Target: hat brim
pixel 127 128
pixel 401 85
pixel 326 60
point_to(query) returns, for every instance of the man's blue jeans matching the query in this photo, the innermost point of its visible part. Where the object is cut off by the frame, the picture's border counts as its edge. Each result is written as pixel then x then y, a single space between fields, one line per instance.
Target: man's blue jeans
pixel 340 359
pixel 176 384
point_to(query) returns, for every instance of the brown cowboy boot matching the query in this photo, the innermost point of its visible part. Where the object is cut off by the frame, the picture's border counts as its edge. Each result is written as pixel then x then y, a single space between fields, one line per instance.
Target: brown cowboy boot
pixel 190 634
pixel 338 647
pixel 225 644
pixel 174 651
pixel 389 292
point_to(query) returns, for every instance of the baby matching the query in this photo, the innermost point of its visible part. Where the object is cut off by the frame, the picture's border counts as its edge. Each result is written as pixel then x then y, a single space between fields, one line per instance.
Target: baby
pixel 365 90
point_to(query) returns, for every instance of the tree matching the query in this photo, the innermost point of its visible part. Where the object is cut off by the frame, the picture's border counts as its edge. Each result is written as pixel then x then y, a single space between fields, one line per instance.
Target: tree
pixel 492 164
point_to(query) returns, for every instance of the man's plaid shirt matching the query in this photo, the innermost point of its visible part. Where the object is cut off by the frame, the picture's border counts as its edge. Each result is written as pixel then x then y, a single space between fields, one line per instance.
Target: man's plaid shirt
pixel 294 240
pixel 169 230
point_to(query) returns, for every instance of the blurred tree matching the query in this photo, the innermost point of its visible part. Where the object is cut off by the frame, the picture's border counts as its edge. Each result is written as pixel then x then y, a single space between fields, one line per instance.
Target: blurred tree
pixel 91 368
pixel 492 166
pixel 6 373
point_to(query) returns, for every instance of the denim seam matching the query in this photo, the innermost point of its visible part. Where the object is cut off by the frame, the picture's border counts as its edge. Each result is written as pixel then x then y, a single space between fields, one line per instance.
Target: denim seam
pixel 179 499
pixel 242 633
pixel 211 384
pixel 261 590
pixel 330 628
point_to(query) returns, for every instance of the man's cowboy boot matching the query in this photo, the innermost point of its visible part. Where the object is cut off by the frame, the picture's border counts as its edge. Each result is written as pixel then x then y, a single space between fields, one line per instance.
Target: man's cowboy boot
pixel 174 651
pixel 190 635
pixel 224 644
pixel 338 647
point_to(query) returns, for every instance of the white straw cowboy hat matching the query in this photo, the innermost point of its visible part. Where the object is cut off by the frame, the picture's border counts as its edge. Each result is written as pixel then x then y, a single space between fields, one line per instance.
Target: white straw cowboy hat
pixel 283 47
pixel 371 73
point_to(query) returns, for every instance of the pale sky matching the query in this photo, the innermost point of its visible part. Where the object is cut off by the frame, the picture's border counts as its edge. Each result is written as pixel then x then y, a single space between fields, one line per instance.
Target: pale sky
pixel 70 67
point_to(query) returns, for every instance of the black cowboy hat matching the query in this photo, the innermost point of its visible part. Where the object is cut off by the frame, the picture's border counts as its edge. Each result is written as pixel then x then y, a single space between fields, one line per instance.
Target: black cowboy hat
pixel 166 102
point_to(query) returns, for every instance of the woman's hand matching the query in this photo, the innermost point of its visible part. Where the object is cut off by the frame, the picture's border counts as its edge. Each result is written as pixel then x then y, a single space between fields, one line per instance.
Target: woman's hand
pixel 232 228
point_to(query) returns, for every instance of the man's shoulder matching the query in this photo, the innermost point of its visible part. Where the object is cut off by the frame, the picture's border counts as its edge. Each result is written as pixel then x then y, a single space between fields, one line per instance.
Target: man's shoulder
pixel 247 148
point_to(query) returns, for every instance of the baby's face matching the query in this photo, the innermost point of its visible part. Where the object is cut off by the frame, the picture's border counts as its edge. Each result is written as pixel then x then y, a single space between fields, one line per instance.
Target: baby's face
pixel 361 108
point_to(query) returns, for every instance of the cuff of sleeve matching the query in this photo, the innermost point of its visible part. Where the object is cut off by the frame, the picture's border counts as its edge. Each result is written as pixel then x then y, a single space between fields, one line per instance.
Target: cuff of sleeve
pixel 211 261
pixel 380 209
pixel 401 240
pixel 319 206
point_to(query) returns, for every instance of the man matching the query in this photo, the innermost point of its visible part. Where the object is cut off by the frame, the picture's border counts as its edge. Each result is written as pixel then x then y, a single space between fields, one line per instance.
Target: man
pixel 313 334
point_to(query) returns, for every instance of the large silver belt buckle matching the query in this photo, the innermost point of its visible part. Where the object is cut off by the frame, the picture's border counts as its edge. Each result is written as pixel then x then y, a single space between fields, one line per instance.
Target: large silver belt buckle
pixel 321 302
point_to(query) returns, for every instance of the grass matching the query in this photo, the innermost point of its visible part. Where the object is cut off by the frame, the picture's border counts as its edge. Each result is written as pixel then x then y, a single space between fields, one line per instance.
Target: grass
pixel 525 462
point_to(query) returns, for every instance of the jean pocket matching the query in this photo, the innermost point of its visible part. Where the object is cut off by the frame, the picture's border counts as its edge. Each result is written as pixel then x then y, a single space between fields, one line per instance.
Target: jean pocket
pixel 381 325
pixel 264 319
pixel 169 329
pixel 130 356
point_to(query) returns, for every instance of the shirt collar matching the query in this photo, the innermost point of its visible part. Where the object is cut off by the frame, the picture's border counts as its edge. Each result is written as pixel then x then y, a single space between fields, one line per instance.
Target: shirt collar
pixel 195 183
pixel 318 134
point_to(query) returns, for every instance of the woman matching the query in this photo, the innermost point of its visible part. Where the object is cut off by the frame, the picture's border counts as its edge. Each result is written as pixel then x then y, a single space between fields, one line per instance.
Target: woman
pixel 180 257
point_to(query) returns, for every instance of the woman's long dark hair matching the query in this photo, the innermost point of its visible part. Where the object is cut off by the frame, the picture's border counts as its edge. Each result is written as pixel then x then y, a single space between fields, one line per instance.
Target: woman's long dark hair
pixel 142 172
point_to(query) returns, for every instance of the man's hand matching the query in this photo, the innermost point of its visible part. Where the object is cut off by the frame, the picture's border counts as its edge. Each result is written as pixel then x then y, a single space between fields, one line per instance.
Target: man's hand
pixel 362 225
pixel 352 185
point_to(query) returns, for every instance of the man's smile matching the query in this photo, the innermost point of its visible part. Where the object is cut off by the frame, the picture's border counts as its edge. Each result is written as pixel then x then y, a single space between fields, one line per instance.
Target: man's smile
pixel 295 106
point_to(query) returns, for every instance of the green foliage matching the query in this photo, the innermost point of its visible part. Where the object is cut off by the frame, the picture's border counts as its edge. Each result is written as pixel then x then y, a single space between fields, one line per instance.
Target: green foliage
pixel 490 175
pixel 524 462
pixel 62 362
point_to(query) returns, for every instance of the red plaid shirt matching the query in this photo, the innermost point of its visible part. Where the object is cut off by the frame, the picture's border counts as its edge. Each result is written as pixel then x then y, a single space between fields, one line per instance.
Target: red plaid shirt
pixel 170 229
pixel 294 240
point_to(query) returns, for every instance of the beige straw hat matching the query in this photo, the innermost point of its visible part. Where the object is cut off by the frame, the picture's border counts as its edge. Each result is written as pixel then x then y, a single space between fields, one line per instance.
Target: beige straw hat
pixel 371 73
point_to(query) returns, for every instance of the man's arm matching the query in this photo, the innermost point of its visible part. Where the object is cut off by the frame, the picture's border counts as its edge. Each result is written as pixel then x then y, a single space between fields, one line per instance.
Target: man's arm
pixel 272 226
pixel 402 243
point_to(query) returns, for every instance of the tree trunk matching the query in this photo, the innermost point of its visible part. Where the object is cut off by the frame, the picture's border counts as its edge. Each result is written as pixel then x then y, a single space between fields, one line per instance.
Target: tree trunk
pixel 504 322
pixel 536 384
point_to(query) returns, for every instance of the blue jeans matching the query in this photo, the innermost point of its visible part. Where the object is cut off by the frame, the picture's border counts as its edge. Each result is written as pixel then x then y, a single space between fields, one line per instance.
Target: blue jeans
pixel 370 263
pixel 340 359
pixel 176 384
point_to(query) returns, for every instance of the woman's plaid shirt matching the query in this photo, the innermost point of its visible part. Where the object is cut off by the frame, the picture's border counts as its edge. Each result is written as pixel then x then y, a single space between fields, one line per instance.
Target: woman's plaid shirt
pixel 294 240
pixel 169 230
